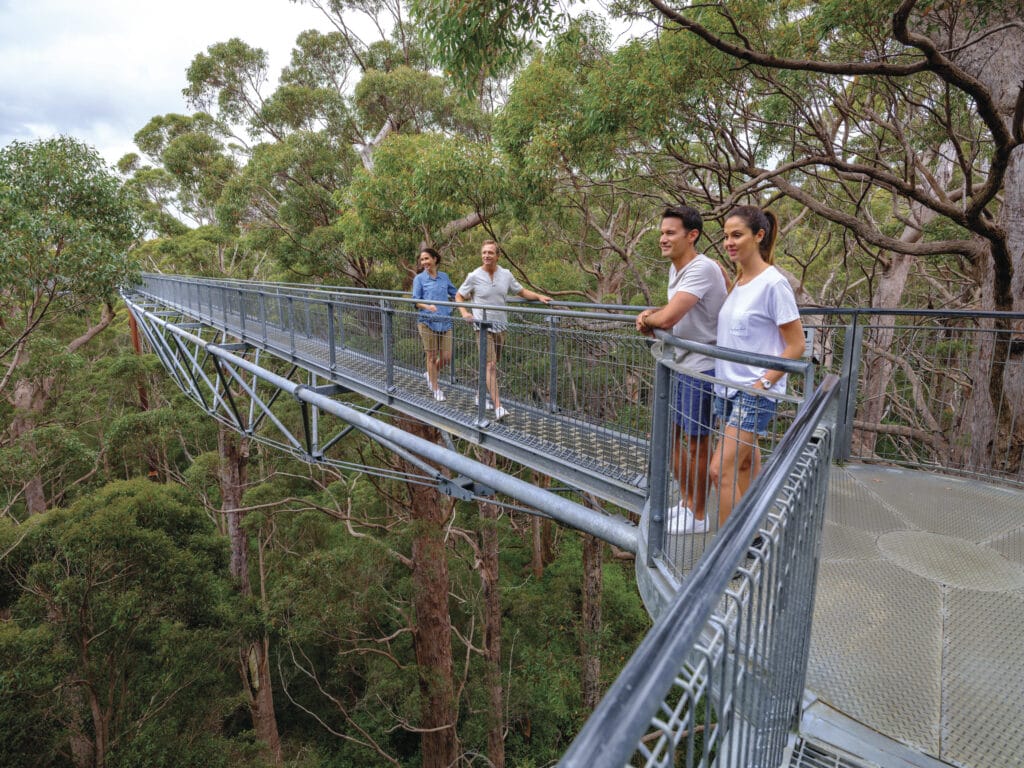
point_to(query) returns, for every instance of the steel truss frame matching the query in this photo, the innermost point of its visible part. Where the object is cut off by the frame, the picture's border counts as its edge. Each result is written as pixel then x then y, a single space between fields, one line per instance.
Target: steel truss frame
pixel 233 383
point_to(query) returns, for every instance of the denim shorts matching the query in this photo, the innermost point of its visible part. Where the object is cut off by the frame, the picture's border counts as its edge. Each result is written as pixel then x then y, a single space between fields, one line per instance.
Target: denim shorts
pixel 694 410
pixel 746 412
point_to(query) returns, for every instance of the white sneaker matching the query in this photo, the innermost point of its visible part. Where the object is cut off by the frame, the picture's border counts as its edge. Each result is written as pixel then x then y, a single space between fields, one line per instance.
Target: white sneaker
pixel 439 395
pixel 500 413
pixel 679 520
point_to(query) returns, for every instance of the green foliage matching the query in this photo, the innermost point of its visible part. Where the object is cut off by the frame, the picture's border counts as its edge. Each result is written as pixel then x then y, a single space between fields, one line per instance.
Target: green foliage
pixel 125 592
pixel 68 226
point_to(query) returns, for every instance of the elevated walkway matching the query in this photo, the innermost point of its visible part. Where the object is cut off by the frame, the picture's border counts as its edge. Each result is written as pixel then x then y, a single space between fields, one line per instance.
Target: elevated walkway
pixel 915 652
pixel 917 642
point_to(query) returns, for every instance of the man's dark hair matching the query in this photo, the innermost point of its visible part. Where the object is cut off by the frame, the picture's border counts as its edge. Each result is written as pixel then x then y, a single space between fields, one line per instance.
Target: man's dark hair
pixel 688 215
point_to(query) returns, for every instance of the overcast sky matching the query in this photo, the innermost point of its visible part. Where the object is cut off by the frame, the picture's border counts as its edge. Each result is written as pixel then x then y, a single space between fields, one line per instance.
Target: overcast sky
pixel 98 70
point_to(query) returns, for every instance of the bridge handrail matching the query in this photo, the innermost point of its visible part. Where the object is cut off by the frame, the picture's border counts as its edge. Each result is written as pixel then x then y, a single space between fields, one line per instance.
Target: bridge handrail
pixel 611 735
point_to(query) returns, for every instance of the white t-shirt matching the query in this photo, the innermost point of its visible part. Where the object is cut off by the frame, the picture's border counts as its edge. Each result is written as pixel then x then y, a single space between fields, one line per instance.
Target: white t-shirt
pixel 480 287
pixel 702 278
pixel 749 321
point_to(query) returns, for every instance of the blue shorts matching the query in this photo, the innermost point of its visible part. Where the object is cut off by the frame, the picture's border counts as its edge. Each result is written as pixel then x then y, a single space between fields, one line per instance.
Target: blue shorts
pixel 694 410
pixel 746 412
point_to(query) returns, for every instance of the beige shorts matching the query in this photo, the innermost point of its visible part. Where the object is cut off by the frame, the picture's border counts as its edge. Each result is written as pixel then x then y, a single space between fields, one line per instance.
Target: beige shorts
pixel 435 343
pixel 495 344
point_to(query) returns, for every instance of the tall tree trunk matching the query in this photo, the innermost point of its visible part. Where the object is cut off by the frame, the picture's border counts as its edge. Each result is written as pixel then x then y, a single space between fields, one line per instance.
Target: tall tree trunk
pixel 543 534
pixel 489 577
pixel 432 636
pixel 590 631
pixel 29 399
pixel 253 658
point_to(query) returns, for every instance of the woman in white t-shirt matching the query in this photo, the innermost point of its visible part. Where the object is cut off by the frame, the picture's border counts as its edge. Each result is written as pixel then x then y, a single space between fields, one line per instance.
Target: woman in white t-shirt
pixel 759 315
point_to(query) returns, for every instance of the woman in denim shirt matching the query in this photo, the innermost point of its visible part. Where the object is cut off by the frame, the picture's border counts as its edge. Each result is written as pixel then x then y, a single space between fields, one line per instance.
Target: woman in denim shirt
pixel 434 322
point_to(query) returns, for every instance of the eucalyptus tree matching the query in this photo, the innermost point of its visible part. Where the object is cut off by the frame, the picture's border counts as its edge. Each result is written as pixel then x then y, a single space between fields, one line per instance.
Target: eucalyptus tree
pixel 899 123
pixel 69 228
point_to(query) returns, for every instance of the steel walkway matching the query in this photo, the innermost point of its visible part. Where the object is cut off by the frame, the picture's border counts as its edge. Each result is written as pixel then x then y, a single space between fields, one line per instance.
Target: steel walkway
pixel 916 654
pixel 918 630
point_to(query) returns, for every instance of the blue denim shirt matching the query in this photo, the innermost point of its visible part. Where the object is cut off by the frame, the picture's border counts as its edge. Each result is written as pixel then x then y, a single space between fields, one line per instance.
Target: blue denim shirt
pixel 428 290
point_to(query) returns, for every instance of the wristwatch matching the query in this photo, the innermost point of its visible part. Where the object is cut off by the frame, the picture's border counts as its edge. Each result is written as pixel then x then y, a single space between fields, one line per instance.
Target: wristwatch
pixel 765 382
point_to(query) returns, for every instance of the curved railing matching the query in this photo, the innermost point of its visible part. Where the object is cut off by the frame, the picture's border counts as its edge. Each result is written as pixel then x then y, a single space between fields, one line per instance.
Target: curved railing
pixel 719 677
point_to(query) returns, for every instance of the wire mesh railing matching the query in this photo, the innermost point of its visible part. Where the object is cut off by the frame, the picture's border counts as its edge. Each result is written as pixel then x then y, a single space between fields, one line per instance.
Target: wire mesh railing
pixel 719 678
pixel 688 469
pixel 575 385
pixel 933 390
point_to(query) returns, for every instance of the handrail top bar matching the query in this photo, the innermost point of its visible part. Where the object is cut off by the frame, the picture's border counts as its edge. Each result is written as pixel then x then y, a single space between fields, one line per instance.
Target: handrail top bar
pixel 875 311
pixel 625 308
pixel 803 367
pixel 649 673
pixel 364 293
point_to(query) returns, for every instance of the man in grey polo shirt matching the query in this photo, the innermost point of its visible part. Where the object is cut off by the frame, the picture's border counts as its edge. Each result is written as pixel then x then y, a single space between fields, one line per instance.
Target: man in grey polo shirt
pixel 491 284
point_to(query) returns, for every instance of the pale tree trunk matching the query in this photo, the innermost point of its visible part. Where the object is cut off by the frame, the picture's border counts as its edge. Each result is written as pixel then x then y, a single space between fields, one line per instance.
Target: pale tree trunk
pixel 254 656
pixel 995 412
pixel 489 578
pixel 432 635
pixel 878 337
pixel 590 631
pixel 30 398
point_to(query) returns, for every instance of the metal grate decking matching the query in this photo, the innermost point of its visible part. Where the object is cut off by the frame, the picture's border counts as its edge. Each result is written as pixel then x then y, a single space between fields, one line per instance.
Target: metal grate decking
pixel 919 614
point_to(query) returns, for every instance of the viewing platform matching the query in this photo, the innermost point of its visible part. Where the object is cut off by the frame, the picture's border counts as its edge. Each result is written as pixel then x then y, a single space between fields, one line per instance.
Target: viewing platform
pixel 917 641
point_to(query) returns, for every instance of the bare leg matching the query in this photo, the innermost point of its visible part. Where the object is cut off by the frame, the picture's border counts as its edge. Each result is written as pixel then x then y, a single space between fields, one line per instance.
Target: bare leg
pixel 432 371
pixel 690 458
pixel 492 384
pixel 735 463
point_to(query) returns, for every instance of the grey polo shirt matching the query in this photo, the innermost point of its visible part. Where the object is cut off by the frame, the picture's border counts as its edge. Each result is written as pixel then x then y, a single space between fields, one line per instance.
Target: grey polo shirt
pixel 482 288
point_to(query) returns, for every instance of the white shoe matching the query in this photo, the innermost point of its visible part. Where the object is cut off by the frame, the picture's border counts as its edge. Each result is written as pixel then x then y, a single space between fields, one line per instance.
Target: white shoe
pixel 679 520
pixel 439 395
pixel 488 405
pixel 500 413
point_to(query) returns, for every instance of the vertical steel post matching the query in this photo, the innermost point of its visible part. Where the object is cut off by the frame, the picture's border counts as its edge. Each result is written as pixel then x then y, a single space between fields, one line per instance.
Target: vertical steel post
pixel 658 462
pixel 481 379
pixel 387 325
pixel 241 312
pixel 263 314
pixel 291 326
pixel 848 383
pixel 553 363
pixel 332 354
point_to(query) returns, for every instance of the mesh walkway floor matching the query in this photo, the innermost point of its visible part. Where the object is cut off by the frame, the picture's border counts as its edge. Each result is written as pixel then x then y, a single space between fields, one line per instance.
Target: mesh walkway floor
pixel 919 618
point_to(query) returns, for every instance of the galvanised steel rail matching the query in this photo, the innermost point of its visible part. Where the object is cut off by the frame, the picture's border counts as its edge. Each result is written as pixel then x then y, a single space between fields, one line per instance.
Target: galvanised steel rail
pixel 719 678
pixel 240 393
pixel 577 384
pixel 937 390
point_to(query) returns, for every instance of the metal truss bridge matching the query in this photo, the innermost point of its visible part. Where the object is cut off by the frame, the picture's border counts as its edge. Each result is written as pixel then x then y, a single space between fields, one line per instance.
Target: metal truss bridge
pixel 731 656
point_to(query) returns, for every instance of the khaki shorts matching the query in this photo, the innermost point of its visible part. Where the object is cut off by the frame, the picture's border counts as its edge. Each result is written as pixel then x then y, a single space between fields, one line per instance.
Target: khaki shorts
pixel 435 343
pixel 495 343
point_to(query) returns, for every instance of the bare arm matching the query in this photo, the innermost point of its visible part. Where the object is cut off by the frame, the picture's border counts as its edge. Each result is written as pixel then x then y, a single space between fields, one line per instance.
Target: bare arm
pixel 793 337
pixel 529 295
pixel 667 316
pixel 460 299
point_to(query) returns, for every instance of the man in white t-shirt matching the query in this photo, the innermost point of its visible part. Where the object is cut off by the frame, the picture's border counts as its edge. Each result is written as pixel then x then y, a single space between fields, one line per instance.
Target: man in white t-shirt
pixel 697 288
pixel 492 285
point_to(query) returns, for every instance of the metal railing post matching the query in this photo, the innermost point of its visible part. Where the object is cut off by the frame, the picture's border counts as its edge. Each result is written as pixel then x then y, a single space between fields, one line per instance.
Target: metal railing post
pixel 481 380
pixel 291 325
pixel 387 327
pixel 658 463
pixel 552 364
pixel 332 355
pixel 263 314
pixel 848 383
pixel 241 312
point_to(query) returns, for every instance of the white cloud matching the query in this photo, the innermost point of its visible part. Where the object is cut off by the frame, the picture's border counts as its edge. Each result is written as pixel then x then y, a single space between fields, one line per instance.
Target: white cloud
pixel 100 70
